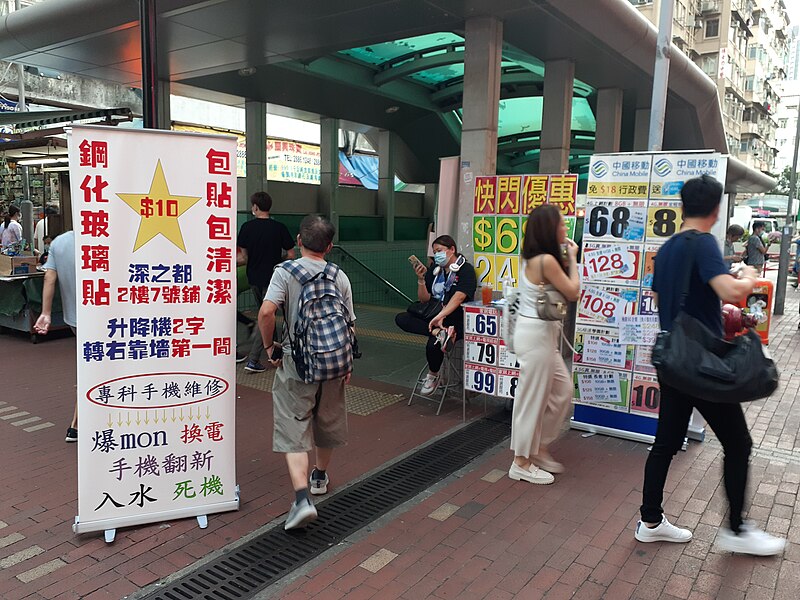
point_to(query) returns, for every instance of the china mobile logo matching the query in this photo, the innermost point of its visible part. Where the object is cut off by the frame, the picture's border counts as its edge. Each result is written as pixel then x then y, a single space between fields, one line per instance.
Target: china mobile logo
pixel 662 167
pixel 600 169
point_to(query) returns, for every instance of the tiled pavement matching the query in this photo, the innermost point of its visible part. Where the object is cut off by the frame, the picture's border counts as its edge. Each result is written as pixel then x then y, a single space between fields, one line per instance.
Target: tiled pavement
pixel 482 535
pixel 475 535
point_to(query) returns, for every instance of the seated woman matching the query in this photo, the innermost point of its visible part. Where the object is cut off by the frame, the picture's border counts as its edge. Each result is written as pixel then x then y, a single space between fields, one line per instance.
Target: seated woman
pixel 451 280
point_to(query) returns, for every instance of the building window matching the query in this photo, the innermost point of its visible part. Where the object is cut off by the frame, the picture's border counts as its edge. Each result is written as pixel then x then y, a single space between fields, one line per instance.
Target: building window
pixel 743 146
pixel 748 83
pixel 712 28
pixel 709 65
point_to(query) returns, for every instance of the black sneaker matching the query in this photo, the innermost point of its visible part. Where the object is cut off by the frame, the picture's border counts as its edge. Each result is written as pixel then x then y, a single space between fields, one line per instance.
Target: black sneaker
pixel 241 357
pixel 72 435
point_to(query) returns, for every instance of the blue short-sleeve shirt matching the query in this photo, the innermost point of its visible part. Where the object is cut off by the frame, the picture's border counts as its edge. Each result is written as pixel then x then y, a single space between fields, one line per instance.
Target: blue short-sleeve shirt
pixel 669 275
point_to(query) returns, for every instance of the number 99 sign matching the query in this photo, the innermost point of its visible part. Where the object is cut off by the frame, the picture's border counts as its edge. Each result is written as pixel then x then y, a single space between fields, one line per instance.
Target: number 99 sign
pixel 478 378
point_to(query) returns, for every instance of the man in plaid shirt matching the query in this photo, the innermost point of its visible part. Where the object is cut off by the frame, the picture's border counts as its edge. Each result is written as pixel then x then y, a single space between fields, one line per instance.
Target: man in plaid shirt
pixel 307 416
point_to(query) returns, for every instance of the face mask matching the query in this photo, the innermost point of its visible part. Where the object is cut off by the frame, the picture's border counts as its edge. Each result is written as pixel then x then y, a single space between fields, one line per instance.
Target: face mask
pixel 440 257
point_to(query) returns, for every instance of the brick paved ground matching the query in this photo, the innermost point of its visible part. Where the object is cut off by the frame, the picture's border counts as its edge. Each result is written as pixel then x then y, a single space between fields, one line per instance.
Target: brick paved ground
pixel 485 536
pixel 40 557
pixel 478 535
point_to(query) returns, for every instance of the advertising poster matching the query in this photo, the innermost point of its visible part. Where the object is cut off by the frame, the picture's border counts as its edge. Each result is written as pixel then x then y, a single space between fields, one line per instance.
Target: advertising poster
pixel 501 206
pixel 633 207
pixel 155 220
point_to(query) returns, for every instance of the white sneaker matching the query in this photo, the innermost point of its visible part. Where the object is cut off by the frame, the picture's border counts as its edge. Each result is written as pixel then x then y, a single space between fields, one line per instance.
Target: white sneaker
pixel 750 540
pixel 429 384
pixel 664 532
pixel 300 515
pixel 532 474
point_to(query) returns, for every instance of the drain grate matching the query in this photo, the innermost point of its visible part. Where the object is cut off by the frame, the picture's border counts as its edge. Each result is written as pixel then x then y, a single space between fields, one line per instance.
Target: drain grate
pixel 264 560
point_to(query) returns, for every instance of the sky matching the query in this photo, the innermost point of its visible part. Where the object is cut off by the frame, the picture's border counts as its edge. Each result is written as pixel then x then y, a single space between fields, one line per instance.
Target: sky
pixel 793 8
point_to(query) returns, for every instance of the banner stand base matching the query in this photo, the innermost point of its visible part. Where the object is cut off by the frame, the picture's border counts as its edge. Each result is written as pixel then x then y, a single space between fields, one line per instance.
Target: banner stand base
pixel 610 431
pixel 109 535
pixel 202 521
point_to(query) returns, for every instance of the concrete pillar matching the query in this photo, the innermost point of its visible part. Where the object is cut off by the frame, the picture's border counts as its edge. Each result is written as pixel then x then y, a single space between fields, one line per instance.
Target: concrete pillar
pixel 329 170
pixel 559 77
pixel 482 55
pixel 387 146
pixel 164 114
pixel 641 129
pixel 255 119
pixel 609 120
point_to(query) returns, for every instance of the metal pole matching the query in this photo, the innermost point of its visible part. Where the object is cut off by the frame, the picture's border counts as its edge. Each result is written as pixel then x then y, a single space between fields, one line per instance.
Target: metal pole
pixel 658 103
pixel 26 207
pixel 147 26
pixel 788 228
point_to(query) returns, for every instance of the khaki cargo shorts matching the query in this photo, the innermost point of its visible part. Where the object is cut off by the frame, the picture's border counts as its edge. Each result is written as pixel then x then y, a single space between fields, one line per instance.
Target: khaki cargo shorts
pixel 307 414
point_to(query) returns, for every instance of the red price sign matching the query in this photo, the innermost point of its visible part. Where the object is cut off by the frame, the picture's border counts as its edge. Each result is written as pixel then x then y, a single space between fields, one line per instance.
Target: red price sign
pixel 645 396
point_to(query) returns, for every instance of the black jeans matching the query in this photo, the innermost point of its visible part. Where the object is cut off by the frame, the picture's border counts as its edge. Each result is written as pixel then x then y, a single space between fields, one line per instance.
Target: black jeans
pixel 411 324
pixel 728 423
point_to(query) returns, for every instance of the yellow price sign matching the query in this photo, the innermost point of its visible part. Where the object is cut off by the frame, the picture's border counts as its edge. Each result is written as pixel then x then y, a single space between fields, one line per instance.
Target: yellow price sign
pixel 617 190
pixel 663 221
pixel 507 268
pixel 507 237
pixel 485 269
pixel 483 234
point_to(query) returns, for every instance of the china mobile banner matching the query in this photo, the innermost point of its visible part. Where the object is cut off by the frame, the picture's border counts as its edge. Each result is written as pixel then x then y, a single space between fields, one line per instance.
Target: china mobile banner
pixel 155 220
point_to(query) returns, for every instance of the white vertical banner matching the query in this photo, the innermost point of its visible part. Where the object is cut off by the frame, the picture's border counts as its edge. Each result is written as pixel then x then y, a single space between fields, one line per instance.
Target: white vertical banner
pixel 155 228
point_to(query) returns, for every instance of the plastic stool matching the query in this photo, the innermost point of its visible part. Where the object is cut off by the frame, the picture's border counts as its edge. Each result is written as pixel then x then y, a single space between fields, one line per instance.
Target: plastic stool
pixel 451 377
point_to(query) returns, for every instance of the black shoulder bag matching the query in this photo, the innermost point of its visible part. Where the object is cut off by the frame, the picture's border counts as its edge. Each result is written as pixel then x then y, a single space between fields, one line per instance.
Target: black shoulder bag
pixel 694 360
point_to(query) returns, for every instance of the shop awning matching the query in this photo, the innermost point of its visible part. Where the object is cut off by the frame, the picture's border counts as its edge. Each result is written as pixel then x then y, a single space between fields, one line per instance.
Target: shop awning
pixel 50 117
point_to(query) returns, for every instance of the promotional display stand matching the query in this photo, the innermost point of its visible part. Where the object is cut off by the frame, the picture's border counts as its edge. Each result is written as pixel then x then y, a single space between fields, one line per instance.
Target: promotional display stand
pixel 633 207
pixel 155 227
pixel 501 207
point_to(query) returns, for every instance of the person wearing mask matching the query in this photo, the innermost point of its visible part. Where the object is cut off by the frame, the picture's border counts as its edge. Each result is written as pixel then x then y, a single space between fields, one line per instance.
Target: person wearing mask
pixel 451 280
pixel 710 283
pixel 12 230
pixel 544 391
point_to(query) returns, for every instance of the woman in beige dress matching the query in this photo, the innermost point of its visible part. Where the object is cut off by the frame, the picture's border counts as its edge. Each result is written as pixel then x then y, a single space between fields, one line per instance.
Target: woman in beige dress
pixel 545 387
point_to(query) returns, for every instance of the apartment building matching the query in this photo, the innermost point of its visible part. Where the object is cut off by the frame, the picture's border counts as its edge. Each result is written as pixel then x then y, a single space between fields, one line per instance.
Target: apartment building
pixel 743 46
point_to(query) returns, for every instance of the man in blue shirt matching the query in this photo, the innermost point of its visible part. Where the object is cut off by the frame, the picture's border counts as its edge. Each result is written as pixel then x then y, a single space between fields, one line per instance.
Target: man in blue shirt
pixel 709 282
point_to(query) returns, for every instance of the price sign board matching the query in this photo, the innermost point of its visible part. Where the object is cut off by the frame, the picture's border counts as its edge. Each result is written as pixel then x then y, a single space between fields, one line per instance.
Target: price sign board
pixel 647 304
pixel 612 263
pixel 649 268
pixel 602 387
pixel 670 171
pixel 633 207
pixel 599 346
pixel 481 350
pixel 645 395
pixel 483 233
pixel 507 359
pixel 506 269
pixel 615 220
pixel 643 362
pixel 507 382
pixel 664 219
pixel 480 378
pixel 489 366
pixel 481 320
pixel 619 176
pixel 485 269
pixel 606 304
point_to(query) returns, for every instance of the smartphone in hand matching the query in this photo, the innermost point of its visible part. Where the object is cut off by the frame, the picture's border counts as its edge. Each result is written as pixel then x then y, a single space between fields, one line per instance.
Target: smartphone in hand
pixel 415 262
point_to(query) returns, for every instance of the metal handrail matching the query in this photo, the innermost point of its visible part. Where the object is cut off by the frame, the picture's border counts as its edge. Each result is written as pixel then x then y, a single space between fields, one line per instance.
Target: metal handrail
pixel 387 283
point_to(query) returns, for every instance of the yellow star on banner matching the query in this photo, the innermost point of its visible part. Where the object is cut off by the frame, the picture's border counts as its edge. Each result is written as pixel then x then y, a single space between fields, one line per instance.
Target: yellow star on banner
pixel 159 211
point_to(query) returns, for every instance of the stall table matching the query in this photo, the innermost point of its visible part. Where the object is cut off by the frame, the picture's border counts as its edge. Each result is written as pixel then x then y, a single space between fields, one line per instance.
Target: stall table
pixel 21 304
